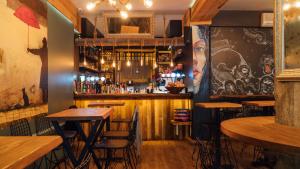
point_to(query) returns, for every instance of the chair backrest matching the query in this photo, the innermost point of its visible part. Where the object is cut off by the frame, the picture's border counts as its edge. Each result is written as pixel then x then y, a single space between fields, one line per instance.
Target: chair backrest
pixel 20 128
pixel 133 125
pixel 43 125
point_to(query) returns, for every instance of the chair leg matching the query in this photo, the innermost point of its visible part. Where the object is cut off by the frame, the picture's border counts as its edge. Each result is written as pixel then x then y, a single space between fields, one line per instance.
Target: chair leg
pixel 130 158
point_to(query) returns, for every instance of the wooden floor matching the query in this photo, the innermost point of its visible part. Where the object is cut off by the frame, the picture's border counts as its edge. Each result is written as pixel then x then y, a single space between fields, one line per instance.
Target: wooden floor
pixel 177 155
pixel 166 155
pixel 161 155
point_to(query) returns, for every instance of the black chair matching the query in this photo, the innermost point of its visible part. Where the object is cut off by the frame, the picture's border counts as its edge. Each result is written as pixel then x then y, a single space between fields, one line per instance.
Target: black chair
pixel 125 145
pixel 121 134
pixel 20 127
pixel 45 128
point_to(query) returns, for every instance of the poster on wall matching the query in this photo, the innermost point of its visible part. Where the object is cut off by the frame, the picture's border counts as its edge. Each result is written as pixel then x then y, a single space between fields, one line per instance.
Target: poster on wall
pixel 23 54
pixel 200 41
pixel 242 61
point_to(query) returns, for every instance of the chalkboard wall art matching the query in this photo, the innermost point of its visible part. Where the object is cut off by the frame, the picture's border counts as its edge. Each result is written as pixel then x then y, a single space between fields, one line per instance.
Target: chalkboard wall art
pixel 242 61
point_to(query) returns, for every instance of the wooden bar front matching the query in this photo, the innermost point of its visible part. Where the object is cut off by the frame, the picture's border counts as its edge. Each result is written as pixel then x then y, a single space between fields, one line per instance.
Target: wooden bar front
pixel 156 110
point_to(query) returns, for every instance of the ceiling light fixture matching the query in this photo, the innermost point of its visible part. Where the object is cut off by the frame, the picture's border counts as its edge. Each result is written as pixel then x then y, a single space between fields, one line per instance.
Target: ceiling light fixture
pixel 128 6
pixel 128 63
pixel 286 6
pixel 148 3
pixel 124 14
pixel 112 2
pixel 90 6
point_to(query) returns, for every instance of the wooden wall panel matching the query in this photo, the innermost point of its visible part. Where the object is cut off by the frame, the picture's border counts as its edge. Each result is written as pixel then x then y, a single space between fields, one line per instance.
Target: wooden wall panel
pixel 155 115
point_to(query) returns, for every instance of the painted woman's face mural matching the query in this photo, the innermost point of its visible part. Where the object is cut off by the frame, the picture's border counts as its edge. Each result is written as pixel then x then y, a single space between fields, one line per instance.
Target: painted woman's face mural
pixel 199 57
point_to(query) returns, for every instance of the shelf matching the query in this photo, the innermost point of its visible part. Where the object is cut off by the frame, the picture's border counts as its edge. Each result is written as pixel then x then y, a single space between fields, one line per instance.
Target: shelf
pixel 106 72
pixel 132 42
pixel 89 69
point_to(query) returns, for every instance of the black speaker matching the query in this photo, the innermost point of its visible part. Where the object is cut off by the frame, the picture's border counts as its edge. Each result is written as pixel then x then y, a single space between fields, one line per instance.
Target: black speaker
pixel 174 29
pixel 187 35
pixel 87 29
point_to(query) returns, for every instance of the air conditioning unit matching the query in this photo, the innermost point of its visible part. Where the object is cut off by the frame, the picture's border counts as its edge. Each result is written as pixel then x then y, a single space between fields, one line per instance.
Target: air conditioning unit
pixel 267 19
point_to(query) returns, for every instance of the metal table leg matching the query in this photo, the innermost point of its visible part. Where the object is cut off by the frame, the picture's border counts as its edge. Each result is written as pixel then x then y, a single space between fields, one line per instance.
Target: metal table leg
pixel 66 144
pixel 89 142
pixel 217 156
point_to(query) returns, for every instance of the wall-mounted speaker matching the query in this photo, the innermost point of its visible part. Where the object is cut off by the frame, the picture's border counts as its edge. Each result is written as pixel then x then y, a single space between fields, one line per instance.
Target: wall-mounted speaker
pixel 187 35
pixel 174 29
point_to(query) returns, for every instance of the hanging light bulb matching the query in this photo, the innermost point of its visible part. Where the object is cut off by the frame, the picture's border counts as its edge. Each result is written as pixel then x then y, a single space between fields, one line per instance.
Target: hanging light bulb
pixel 128 6
pixel 102 61
pixel 90 6
pixel 114 64
pixel 123 14
pixel 287 6
pixel 172 64
pixel 128 63
pixel 112 2
pixel 155 65
pixel 142 62
pixel 84 62
pixel 119 67
pixel 148 3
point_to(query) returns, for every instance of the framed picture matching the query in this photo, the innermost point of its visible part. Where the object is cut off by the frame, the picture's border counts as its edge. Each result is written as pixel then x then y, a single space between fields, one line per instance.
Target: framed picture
pixel 164 57
pixel 137 25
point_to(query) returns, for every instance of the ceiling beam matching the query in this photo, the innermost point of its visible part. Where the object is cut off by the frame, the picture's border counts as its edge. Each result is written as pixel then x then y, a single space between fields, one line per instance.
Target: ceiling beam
pixel 203 11
pixel 67 8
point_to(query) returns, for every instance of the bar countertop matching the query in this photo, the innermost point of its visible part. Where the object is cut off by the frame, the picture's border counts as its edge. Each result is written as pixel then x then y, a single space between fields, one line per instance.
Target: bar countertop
pixel 133 96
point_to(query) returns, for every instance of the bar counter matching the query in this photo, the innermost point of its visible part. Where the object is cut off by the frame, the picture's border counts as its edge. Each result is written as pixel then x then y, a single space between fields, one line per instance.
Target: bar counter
pixel 133 96
pixel 156 110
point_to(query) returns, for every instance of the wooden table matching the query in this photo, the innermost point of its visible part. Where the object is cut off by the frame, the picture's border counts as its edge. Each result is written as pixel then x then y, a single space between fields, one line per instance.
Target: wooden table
pixel 267 105
pixel 262 103
pixel 263 131
pixel 215 107
pixel 98 115
pixel 106 104
pixel 21 151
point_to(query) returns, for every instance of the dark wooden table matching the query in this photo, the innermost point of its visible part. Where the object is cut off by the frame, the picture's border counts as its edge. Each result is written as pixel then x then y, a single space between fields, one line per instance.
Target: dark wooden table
pixel 215 107
pixel 263 131
pixel 98 115
pixel 21 151
pixel 267 105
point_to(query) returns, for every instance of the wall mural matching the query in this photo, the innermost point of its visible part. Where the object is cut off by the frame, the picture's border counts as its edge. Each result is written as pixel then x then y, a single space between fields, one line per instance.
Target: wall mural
pixel 200 58
pixel 242 61
pixel 23 54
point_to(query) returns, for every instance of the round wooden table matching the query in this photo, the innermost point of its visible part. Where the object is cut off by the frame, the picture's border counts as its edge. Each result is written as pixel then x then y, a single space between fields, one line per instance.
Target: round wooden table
pixel 263 131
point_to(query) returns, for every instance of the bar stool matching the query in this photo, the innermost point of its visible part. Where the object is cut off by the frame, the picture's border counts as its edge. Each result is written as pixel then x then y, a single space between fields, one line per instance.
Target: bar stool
pixel 181 121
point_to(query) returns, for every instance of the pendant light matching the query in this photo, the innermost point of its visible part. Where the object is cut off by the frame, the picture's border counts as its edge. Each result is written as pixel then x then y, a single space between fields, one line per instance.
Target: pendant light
pixel 84 55
pixel 114 56
pixel 142 59
pixel 128 54
pixel 171 48
pixel 102 57
pixel 154 62
pixel 148 3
